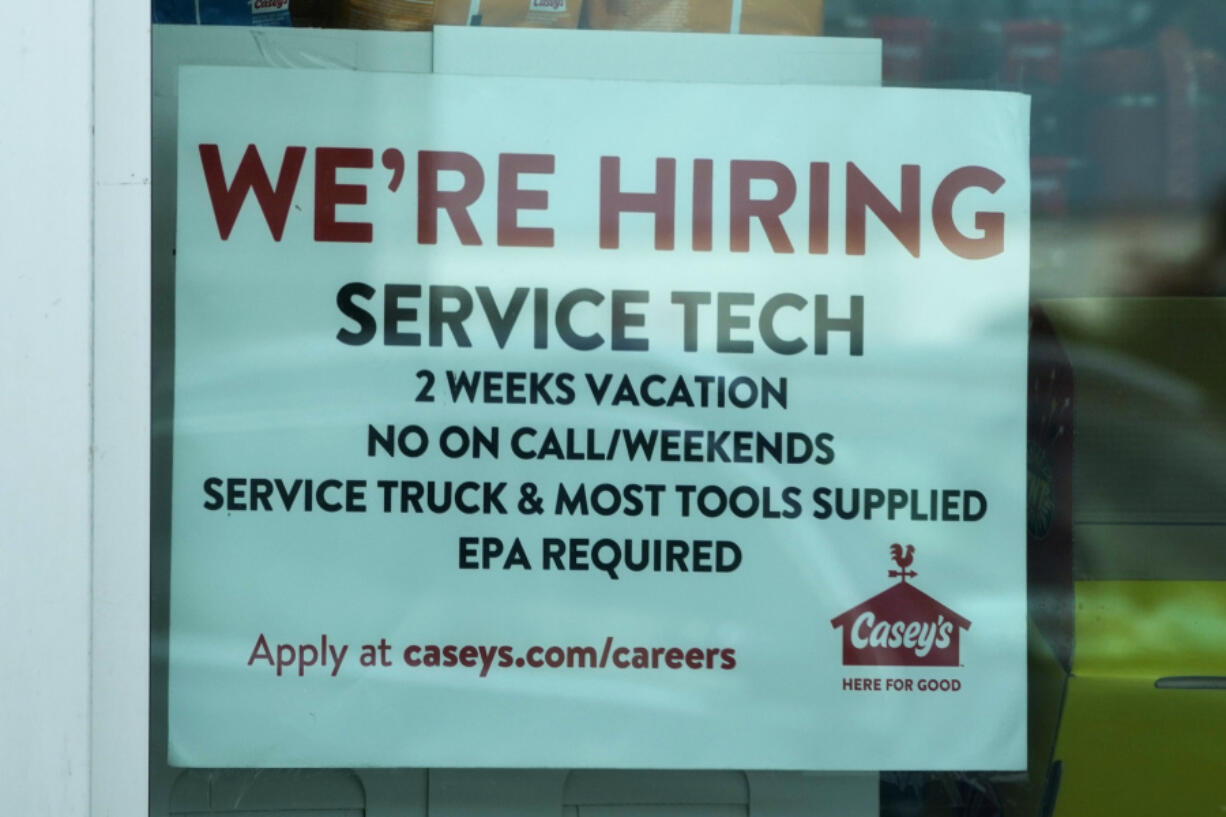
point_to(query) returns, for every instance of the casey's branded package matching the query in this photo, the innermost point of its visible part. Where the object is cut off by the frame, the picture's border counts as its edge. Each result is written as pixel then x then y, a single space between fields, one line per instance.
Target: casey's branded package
pixel 797 17
pixel 392 15
pixel 510 13
pixel 222 12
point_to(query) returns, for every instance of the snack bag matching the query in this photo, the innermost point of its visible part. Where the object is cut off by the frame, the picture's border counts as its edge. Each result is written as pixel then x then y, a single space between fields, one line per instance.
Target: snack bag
pixel 798 17
pixel 510 13
pixel 392 15
pixel 795 17
pixel 661 15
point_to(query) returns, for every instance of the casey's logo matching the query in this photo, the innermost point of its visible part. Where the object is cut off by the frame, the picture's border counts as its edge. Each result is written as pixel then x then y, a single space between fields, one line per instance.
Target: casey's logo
pixel 901 626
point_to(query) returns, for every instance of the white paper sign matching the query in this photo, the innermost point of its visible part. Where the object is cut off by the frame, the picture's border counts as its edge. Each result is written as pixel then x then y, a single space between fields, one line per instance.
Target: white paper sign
pixel 540 423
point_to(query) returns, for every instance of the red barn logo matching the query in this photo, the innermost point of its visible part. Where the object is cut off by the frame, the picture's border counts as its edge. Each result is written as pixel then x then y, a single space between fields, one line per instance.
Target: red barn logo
pixel 901 626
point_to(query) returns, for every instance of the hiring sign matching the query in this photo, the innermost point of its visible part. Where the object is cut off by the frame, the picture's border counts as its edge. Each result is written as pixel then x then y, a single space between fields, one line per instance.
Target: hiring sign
pixel 572 423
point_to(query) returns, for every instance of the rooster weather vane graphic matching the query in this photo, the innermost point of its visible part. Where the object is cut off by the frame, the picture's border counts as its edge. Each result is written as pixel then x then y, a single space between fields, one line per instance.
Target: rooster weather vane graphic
pixel 903 560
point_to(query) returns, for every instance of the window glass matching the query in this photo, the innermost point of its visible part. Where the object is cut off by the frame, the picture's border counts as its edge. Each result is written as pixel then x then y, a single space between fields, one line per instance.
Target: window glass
pixel 1120 386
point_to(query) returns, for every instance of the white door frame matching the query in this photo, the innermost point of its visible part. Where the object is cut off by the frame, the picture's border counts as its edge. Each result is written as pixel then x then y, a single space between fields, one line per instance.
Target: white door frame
pixel 119 679
pixel 45 373
pixel 74 408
